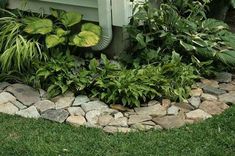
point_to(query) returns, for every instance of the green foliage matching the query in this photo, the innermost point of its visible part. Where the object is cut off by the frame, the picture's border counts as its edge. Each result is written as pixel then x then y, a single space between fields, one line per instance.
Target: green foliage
pixel 115 84
pixel 59 74
pixel 16 50
pixel 67 18
pixel 84 39
pixel 157 32
pixel 35 25
pixel 233 3
pixel 59 30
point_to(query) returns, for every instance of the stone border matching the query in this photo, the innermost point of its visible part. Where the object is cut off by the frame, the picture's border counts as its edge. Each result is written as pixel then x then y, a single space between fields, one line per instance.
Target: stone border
pixel 208 98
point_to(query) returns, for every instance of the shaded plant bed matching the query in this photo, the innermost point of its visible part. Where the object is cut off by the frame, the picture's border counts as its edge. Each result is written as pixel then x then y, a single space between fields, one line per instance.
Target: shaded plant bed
pixel 208 98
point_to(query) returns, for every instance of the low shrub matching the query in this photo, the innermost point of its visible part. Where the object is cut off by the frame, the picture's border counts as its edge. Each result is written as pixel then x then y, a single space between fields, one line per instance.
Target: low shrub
pixel 60 74
pixel 171 79
pixel 157 32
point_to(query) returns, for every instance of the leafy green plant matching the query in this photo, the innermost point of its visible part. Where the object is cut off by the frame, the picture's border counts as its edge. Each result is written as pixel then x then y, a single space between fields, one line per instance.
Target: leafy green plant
pixel 115 84
pixel 157 32
pixel 59 74
pixel 59 30
pixel 16 50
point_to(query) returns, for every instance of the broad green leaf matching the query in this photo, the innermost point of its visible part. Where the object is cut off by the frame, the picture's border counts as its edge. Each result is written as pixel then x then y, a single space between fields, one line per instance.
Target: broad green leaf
pixel 140 39
pixel 93 64
pixel 92 28
pixel 70 18
pixel 85 39
pixel 53 40
pixel 187 46
pixel 213 24
pixel 200 42
pixel 61 32
pixel 36 25
pixel 57 13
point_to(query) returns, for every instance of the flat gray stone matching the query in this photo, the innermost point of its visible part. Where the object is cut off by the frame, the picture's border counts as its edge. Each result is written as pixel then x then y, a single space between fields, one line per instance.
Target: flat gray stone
pixel 64 101
pixel 208 97
pixel 150 123
pixel 166 103
pixel 93 105
pixel 198 114
pixel 120 122
pixel 76 111
pixel 76 120
pixel 224 77
pixel 104 120
pixel 8 108
pixel 6 97
pixel 133 119
pixel 173 110
pixel 152 102
pixel 227 87
pixel 212 90
pixel 18 104
pixel 93 116
pixel 155 110
pixel 211 83
pixel 30 112
pixel 195 101
pixel 184 107
pixel 57 115
pixel 196 92
pixel 44 105
pixel 169 122
pixel 228 98
pixel 25 94
pixel 80 100
pixel 118 115
pixel 3 85
pixel 212 107
pixel 43 93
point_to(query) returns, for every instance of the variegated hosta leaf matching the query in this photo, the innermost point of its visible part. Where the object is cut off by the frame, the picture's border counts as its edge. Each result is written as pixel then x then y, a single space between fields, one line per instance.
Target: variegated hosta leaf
pixel 53 40
pixel 85 39
pixel 57 12
pixel 70 18
pixel 35 25
pixel 213 24
pixel 67 18
pixel 227 57
pixel 61 32
pixel 92 28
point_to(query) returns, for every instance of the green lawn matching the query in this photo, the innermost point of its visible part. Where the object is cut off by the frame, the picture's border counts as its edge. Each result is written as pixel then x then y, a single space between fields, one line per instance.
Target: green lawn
pixel 19 136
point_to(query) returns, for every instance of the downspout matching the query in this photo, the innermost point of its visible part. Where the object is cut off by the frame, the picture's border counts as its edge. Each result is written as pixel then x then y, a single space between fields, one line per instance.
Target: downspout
pixel 105 21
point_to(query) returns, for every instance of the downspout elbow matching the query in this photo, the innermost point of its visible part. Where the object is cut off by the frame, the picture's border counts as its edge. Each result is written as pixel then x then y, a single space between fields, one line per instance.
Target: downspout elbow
pixel 105 21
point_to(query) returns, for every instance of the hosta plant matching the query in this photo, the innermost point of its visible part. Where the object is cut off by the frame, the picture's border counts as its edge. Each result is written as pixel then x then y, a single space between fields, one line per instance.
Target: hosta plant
pixel 157 32
pixel 60 74
pixel 114 84
pixel 59 30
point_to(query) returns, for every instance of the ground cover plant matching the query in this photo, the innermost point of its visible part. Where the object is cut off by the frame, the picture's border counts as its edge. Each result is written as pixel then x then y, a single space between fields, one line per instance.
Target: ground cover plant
pixel 212 137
